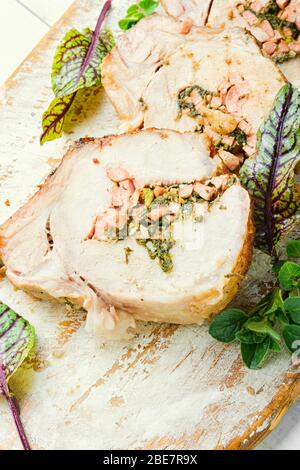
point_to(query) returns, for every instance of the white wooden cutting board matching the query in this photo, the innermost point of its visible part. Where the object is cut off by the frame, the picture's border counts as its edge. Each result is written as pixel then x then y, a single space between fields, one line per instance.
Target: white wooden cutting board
pixel 170 387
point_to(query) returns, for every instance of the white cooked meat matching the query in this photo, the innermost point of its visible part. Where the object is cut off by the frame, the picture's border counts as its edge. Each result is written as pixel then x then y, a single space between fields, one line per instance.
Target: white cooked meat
pixel 139 53
pixel 205 57
pixel 197 10
pixel 209 63
pixel 274 43
pixel 52 247
pixel 291 70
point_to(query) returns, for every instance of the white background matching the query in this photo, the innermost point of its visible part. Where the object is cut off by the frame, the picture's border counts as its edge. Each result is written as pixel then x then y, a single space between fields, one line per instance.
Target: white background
pixel 22 24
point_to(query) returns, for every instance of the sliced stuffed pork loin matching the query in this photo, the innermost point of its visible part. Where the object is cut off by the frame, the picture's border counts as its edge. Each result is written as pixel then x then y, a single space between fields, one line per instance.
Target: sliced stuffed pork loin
pixel 220 83
pixel 136 226
pixel 139 53
pixel 275 24
pixel 208 80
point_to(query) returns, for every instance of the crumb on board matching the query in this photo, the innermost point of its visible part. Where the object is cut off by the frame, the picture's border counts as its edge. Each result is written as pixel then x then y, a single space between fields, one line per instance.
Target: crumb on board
pixel 54 162
pixel 2 273
pixel 58 354
pixel 128 252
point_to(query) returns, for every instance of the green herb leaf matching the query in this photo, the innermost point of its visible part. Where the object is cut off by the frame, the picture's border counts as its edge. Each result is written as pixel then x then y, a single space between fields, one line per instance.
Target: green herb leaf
pixel 136 12
pixel 292 307
pixel 293 248
pixel 275 317
pixel 270 304
pixel 127 23
pixel 275 346
pixel 78 59
pixel 255 354
pixel 291 336
pixel 289 275
pixel 249 337
pixel 132 9
pixel 262 327
pixel 276 303
pixel 282 318
pixel 225 326
pixel 16 341
pixel 269 177
pixel 76 66
pixel 149 6
pixel 54 118
pixel 277 266
pixel 264 304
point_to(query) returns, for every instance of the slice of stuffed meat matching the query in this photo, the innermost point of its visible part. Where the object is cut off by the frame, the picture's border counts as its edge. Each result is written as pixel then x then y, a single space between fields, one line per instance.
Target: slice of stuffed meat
pixel 139 226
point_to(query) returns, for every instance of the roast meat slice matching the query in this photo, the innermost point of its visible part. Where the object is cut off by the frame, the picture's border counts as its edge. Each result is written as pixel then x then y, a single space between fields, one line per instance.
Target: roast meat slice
pixel 52 247
pixel 144 87
pixel 277 44
pixel 196 10
pixel 209 63
pixel 138 54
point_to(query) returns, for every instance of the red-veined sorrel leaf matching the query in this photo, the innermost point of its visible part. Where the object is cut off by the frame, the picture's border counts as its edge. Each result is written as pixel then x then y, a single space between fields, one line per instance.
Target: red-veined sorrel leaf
pixel 78 59
pixel 76 66
pixel 269 177
pixel 16 341
pixel 54 117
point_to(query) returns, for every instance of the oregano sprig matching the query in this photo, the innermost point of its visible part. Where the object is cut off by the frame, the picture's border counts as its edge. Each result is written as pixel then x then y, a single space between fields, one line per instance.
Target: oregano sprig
pixel 136 12
pixel 273 321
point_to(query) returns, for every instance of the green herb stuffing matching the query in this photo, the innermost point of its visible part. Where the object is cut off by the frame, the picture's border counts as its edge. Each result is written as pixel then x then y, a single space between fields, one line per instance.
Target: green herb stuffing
pixel 280 58
pixel 239 136
pixel 185 103
pixel 240 139
pixel 160 249
pixel 270 13
pixel 159 241
pixel 147 196
pixel 185 94
pixel 162 228
pixel 273 321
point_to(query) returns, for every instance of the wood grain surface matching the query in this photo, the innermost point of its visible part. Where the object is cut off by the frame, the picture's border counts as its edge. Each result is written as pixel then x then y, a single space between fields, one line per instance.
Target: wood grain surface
pixel 170 387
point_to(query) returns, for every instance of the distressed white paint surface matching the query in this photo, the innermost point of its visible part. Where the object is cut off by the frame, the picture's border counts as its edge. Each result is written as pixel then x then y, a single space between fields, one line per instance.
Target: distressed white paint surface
pixel 170 387
pixel 48 11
